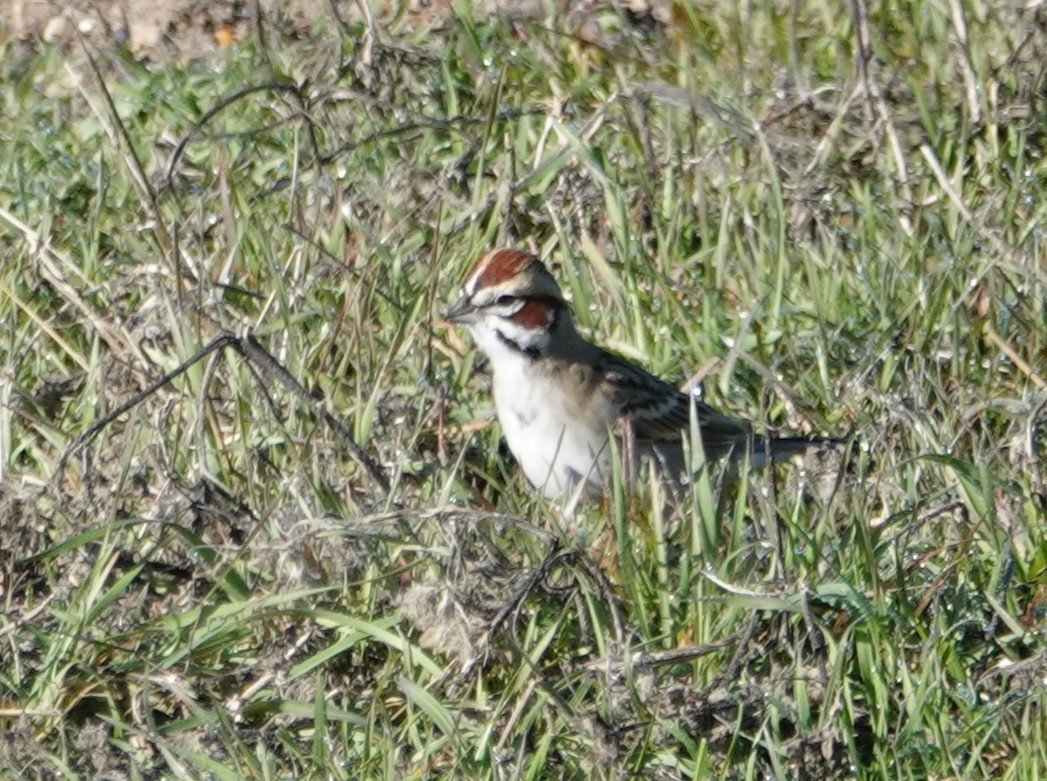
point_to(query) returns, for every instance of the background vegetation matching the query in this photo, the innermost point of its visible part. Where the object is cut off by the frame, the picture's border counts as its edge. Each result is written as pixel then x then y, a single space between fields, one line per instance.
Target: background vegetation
pixel 831 214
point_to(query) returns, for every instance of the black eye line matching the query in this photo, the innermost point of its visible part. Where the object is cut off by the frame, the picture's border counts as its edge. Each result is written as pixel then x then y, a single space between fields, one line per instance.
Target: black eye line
pixel 507 298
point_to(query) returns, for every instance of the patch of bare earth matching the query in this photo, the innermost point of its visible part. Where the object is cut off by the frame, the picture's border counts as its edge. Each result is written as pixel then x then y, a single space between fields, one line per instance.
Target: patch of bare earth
pixel 159 30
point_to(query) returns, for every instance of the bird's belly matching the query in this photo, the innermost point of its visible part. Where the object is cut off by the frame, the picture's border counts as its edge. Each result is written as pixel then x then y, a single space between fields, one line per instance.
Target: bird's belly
pixel 555 452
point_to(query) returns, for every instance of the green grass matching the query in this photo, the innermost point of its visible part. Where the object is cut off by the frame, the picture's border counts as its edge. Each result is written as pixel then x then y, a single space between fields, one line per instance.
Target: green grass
pixel 214 586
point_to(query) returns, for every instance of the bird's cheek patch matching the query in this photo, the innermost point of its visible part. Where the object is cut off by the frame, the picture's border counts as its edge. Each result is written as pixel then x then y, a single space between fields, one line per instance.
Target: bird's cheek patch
pixel 534 315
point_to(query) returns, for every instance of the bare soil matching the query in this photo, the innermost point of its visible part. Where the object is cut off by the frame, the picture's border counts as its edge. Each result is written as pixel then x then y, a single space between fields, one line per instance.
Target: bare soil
pixel 159 30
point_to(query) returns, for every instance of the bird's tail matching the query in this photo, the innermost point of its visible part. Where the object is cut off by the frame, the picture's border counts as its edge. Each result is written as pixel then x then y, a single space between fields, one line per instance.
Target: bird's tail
pixel 783 447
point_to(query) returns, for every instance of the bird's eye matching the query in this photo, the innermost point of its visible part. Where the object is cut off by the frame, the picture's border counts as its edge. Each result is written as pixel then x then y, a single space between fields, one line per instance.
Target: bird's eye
pixel 505 300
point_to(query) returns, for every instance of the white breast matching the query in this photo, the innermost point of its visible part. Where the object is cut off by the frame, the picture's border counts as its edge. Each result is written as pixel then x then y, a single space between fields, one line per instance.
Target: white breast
pixel 554 451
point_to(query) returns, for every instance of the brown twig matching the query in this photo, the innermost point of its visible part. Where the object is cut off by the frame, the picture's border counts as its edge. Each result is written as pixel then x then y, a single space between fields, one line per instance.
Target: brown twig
pixel 263 362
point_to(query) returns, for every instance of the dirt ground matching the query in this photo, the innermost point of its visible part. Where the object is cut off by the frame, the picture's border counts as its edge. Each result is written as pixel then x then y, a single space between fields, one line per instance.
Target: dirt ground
pixel 158 30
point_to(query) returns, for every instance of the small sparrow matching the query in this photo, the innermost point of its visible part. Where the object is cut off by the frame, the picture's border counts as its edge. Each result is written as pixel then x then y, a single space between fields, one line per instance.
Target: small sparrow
pixel 560 398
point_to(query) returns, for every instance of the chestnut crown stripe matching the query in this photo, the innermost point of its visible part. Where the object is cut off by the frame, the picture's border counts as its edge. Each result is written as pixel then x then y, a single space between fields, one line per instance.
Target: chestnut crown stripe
pixel 501 265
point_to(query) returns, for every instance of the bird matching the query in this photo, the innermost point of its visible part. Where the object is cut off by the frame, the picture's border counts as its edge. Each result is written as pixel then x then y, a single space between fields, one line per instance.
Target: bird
pixel 560 399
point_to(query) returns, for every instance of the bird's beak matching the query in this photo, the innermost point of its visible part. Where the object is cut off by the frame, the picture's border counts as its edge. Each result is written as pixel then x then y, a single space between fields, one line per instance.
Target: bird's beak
pixel 462 311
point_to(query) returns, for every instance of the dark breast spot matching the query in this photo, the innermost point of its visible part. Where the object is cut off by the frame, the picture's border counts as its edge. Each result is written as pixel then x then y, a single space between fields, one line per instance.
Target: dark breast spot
pixel 525 417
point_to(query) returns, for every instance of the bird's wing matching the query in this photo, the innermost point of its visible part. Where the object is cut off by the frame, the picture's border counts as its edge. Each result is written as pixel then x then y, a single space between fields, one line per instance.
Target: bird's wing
pixel 658 412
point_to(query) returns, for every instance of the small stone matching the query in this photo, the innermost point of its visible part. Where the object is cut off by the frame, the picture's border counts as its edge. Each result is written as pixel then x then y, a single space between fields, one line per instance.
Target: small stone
pixel 144 35
pixel 56 29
